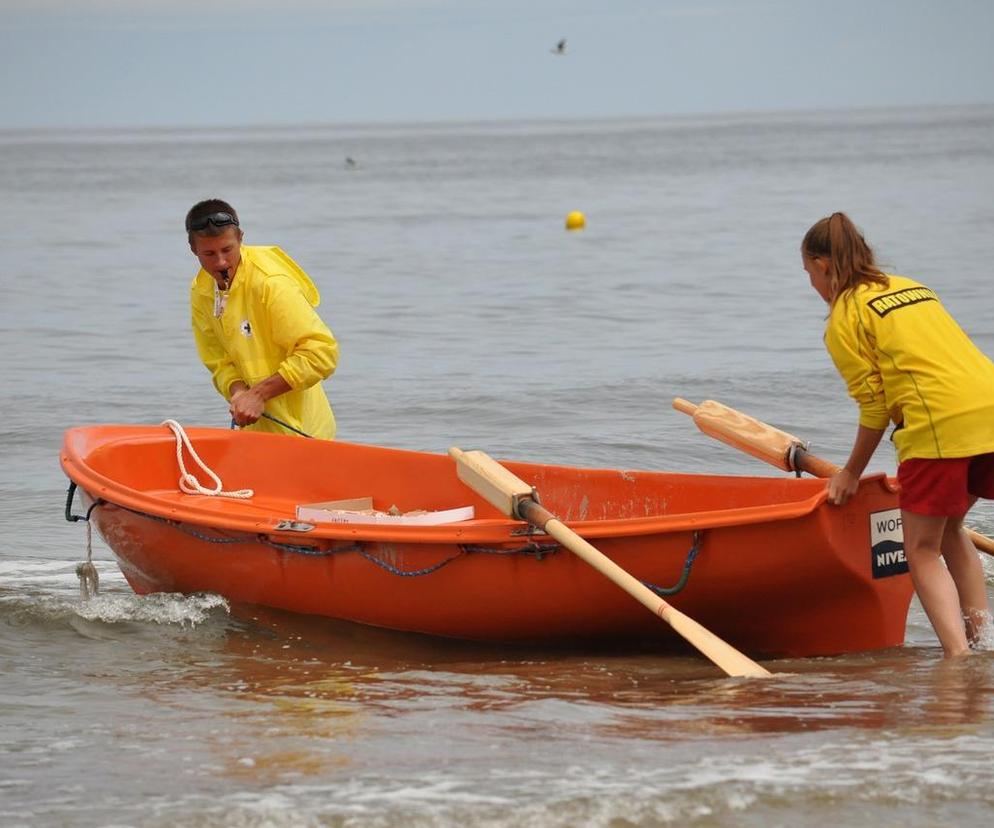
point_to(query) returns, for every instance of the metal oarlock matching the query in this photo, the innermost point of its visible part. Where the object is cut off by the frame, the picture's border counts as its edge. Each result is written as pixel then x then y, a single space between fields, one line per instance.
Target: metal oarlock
pixel 792 456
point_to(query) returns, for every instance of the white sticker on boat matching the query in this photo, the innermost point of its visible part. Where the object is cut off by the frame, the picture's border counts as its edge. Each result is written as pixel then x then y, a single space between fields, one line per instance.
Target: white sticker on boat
pixel 887 544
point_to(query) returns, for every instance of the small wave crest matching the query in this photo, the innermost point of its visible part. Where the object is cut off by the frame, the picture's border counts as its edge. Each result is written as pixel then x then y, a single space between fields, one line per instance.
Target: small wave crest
pixel 158 608
pixel 40 592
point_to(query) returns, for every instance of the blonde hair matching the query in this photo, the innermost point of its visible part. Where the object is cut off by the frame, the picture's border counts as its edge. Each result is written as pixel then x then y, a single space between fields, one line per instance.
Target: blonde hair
pixel 851 261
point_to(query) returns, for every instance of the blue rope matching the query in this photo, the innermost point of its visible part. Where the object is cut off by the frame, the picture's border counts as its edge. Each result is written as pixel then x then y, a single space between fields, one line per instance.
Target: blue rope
pixel 538 551
pixel 695 547
pixel 70 496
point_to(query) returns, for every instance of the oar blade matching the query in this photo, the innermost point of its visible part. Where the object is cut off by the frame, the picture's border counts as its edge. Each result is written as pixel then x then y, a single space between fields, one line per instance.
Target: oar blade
pixel 490 480
pixel 723 654
pixel 741 431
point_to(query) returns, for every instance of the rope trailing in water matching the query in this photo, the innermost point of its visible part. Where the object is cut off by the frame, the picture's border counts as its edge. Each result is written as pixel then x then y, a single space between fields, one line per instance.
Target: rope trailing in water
pixel 188 482
pixel 89 580
pixel 695 547
pixel 86 571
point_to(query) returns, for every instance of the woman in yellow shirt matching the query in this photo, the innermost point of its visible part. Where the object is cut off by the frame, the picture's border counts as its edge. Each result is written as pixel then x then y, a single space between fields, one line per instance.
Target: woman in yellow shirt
pixel 905 360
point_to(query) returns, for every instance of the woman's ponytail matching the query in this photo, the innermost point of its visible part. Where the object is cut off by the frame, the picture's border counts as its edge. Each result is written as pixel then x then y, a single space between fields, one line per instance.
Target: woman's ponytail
pixel 851 261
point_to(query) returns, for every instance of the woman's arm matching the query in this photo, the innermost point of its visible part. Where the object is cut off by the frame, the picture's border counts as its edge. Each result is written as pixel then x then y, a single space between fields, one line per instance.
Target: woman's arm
pixel 843 484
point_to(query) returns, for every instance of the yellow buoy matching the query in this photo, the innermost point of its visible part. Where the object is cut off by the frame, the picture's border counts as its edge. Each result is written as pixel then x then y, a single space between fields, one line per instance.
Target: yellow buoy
pixel 576 220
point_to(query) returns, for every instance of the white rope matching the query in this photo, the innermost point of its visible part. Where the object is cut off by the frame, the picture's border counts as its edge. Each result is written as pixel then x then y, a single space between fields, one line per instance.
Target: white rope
pixel 188 483
pixel 89 580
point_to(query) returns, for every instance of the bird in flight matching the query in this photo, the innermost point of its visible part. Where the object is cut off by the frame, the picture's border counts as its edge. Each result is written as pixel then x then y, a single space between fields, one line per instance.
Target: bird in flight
pixel 560 48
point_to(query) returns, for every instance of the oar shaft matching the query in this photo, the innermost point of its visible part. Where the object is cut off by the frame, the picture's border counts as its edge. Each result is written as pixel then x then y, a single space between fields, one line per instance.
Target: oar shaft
pixel 516 499
pixel 718 650
pixel 539 516
pixel 812 464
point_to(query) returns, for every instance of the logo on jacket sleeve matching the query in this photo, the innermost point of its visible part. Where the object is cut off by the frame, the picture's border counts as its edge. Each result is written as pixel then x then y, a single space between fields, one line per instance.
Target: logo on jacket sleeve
pixel 245 328
pixel 887 544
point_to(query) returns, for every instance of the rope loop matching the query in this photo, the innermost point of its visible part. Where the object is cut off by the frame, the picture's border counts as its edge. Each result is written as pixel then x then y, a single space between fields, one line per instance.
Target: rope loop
pixel 188 482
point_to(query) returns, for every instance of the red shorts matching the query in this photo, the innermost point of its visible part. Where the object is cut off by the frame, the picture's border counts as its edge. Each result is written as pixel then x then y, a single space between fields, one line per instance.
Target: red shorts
pixel 944 487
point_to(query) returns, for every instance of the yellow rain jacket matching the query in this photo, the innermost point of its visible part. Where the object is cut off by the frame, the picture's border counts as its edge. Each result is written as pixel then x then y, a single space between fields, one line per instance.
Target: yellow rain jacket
pixel 268 325
pixel 906 360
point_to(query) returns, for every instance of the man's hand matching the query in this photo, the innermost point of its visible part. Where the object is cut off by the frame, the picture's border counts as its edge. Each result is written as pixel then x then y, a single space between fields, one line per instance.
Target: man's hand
pixel 247 406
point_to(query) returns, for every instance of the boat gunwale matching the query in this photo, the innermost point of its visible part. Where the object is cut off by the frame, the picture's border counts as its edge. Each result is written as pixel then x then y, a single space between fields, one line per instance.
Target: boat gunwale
pixel 477 530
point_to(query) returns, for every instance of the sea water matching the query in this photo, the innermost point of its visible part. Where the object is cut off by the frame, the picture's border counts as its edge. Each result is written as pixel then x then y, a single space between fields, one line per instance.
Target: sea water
pixel 467 315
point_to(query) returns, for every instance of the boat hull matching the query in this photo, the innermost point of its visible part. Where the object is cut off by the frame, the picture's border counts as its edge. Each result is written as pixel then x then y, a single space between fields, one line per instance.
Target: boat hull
pixel 775 574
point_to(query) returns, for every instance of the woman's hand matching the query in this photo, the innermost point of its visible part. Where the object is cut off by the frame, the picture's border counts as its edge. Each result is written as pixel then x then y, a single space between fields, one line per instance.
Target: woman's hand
pixel 842 486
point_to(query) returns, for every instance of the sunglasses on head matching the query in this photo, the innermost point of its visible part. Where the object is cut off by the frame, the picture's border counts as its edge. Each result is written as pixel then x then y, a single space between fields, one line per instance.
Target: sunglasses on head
pixel 217 219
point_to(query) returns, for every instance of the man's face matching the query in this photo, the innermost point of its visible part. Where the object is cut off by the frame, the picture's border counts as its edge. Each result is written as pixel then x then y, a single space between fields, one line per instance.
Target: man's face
pixel 219 253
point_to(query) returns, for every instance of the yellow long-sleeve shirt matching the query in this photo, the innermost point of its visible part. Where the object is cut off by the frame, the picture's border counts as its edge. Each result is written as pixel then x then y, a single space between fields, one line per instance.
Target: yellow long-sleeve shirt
pixel 268 326
pixel 906 360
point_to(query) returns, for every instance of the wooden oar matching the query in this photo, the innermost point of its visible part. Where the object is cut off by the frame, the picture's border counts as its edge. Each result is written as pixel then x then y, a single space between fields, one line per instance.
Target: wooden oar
pixel 516 499
pixel 783 450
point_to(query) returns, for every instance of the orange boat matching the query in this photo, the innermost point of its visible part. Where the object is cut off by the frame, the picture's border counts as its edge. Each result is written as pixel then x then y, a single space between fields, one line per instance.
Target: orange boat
pixel 765 563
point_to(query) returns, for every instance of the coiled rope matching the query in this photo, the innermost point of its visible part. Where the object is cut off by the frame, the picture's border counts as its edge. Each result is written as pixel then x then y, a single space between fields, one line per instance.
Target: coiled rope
pixel 188 482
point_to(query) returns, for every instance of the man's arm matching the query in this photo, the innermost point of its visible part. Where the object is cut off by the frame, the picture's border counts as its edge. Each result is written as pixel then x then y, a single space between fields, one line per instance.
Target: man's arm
pixel 310 347
pixel 247 404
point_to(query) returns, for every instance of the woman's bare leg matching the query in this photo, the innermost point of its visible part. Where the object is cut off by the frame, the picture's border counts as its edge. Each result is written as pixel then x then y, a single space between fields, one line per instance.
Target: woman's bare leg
pixel 923 547
pixel 967 573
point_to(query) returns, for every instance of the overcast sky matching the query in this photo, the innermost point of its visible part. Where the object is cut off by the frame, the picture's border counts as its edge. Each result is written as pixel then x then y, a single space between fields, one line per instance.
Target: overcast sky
pixel 238 62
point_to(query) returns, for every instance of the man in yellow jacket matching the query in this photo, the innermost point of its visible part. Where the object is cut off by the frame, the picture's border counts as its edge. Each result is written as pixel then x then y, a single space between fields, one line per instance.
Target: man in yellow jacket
pixel 256 329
